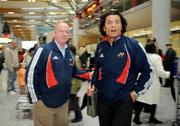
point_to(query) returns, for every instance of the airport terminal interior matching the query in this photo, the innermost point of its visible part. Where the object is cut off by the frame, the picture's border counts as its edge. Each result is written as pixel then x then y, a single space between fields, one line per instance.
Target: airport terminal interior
pixel 30 24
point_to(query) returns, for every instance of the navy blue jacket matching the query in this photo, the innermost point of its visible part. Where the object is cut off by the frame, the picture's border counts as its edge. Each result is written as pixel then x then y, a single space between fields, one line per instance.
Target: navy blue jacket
pixel 120 68
pixel 49 75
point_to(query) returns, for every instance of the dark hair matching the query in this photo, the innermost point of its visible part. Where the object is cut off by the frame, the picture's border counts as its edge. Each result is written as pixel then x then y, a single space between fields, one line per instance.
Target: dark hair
pixel 103 19
pixel 150 47
pixel 151 39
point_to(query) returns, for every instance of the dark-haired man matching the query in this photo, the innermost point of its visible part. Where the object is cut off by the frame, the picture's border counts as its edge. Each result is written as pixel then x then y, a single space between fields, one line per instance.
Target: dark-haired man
pixel 121 72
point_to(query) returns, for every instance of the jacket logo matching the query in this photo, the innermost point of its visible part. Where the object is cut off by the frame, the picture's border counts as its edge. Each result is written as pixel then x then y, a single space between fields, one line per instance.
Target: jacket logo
pixel 71 62
pixel 101 55
pixel 55 58
pixel 121 54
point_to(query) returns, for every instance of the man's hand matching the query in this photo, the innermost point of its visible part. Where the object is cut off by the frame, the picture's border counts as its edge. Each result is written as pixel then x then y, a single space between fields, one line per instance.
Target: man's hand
pixel 91 75
pixel 133 95
pixel 90 90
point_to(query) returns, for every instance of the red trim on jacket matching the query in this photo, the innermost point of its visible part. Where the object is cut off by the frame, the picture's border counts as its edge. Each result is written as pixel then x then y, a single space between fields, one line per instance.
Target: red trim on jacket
pixel 84 76
pixel 50 77
pixel 100 74
pixel 123 76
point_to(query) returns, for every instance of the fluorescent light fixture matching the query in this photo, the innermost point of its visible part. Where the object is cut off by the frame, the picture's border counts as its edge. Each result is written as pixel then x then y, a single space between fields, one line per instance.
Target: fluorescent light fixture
pixel 176 28
pixel 31 12
pixel 84 0
pixel 10 12
pixel 34 8
pixel 54 1
pixel 31 0
pixel 53 13
pixel 28 44
pixel 5 40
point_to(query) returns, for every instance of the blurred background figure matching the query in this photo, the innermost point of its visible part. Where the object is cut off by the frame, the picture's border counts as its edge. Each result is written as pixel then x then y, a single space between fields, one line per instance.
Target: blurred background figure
pixel 21 78
pixel 1 58
pixel 11 63
pixel 159 52
pixel 169 63
pixel 75 87
pixel 152 96
pixel 28 56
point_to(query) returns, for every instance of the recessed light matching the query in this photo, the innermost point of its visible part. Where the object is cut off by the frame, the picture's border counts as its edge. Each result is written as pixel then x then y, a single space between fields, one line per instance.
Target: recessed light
pixel 31 12
pixel 10 12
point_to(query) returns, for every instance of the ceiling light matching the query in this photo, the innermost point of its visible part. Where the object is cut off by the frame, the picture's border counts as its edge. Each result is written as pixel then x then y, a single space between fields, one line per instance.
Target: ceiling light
pixel 54 1
pixel 31 12
pixel 31 0
pixel 53 13
pixel 176 28
pixel 3 0
pixel 10 12
pixel 34 8
pixel 84 0
pixel 89 16
pixel 5 40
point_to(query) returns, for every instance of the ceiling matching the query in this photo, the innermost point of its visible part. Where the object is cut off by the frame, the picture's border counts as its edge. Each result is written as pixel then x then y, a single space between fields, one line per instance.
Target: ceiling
pixel 29 19
pixel 137 17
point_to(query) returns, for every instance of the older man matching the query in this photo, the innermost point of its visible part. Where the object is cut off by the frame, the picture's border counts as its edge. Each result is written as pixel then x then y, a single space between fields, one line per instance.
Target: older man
pixel 11 63
pixel 49 79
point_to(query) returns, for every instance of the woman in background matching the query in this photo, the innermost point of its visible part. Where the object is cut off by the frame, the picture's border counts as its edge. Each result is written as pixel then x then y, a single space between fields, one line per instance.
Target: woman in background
pixel 152 96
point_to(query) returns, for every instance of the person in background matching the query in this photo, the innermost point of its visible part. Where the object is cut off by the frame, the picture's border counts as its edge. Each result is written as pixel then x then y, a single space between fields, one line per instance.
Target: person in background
pixel 152 96
pixel 118 62
pixel 11 63
pixel 28 56
pixel 84 58
pixel 1 58
pixel 169 63
pixel 20 54
pixel 21 78
pixel 49 79
pixel 76 85
pixel 159 52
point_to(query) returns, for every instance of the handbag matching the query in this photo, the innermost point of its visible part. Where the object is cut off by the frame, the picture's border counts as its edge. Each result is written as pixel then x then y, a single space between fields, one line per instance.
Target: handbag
pixel 92 104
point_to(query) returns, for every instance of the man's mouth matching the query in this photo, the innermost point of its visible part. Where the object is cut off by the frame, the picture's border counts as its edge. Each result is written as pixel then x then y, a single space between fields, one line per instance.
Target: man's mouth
pixel 113 30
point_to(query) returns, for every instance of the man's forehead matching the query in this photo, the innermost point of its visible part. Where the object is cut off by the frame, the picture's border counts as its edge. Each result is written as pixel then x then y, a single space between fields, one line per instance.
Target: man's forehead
pixel 115 17
pixel 63 25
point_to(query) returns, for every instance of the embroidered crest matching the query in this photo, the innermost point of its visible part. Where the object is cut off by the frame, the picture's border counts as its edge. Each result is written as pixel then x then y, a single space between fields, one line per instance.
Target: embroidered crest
pixel 55 58
pixel 121 54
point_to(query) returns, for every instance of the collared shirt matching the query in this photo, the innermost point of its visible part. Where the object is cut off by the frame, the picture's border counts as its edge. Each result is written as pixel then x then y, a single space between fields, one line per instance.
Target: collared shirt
pixel 62 50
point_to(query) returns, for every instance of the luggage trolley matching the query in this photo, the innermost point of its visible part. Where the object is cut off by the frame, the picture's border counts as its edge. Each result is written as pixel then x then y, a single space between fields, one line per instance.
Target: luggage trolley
pixel 23 107
pixel 177 120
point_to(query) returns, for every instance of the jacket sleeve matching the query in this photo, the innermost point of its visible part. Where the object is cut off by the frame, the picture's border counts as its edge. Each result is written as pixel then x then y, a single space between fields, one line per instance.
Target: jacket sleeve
pixel 33 74
pixel 143 68
pixel 95 77
pixel 159 68
pixel 80 74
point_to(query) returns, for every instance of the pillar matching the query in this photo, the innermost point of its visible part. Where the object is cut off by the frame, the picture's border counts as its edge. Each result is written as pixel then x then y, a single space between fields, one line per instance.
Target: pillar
pixel 161 10
pixel 75 31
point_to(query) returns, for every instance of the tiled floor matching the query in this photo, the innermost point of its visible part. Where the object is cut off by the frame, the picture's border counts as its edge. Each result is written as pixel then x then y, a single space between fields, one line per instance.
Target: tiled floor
pixel 8 113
